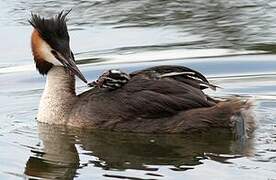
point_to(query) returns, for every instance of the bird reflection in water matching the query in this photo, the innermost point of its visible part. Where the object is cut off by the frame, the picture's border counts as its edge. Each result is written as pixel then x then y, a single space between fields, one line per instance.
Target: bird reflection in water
pixel 59 157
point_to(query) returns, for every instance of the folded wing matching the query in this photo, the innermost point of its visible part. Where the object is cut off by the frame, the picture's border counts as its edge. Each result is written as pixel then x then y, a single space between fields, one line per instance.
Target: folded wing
pixel 156 92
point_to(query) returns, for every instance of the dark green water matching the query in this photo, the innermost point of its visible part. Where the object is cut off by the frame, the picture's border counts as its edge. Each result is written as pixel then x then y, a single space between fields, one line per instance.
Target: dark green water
pixel 231 42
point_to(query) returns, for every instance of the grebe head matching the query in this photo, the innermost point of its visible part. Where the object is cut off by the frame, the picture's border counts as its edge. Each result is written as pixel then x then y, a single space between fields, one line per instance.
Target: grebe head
pixel 50 44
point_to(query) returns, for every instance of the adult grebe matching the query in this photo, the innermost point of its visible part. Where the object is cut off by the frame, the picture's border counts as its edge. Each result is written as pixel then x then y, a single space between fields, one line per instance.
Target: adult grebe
pixel 162 99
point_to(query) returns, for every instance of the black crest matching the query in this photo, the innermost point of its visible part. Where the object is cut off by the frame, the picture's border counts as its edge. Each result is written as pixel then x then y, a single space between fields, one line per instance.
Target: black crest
pixel 52 30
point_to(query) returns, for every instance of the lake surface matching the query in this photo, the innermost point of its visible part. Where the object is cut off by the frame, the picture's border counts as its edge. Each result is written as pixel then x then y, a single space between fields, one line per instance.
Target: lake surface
pixel 231 42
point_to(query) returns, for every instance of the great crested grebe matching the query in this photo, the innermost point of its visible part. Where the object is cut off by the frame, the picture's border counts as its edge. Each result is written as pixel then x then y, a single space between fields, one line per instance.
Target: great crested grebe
pixel 161 99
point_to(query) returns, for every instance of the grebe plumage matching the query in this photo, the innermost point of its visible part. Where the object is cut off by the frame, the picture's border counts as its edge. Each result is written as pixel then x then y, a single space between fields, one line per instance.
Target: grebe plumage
pixel 161 99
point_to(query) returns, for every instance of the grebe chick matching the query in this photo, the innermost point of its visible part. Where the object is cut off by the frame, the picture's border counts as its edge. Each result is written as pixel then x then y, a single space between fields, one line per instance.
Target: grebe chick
pixel 111 79
pixel 161 99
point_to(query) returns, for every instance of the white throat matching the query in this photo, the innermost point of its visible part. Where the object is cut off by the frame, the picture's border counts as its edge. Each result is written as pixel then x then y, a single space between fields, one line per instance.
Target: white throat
pixel 58 97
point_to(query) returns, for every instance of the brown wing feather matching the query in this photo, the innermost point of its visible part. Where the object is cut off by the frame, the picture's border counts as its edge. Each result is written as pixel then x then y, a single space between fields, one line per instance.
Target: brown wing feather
pixel 146 98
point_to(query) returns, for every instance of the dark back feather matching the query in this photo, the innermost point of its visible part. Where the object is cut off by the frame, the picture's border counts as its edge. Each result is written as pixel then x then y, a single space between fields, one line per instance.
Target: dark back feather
pixel 179 73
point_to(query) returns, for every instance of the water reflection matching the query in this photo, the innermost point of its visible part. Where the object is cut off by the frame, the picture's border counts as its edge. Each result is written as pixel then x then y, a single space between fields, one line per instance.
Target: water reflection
pixel 59 157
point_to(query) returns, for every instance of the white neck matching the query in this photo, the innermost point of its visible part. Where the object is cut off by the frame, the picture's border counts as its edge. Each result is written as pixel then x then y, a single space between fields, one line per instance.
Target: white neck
pixel 58 97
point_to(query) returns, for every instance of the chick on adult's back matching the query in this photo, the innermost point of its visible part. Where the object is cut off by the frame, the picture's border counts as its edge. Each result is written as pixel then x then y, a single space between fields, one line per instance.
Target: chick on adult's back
pixel 161 99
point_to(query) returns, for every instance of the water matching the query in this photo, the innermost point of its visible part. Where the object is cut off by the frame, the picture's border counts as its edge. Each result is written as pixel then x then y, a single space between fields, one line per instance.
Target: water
pixel 231 42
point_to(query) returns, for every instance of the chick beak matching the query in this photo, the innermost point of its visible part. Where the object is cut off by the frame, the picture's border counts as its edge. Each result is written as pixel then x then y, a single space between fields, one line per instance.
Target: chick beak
pixel 70 64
